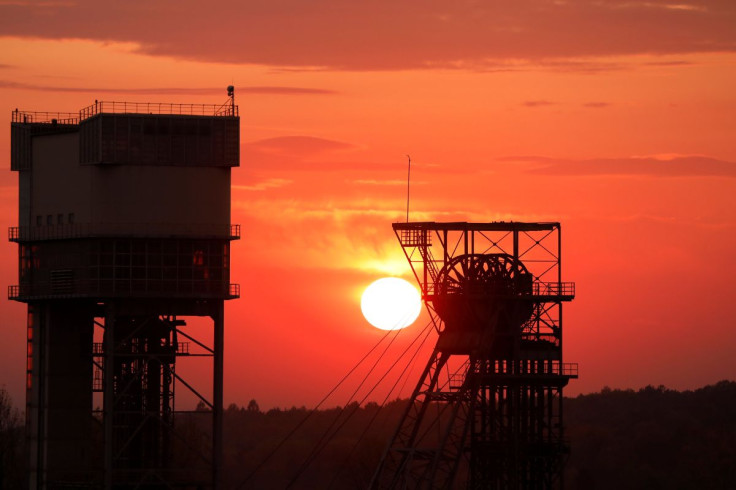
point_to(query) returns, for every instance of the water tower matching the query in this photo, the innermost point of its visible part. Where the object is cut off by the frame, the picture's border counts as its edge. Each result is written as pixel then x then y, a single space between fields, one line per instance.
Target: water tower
pixel 124 262
pixel 487 411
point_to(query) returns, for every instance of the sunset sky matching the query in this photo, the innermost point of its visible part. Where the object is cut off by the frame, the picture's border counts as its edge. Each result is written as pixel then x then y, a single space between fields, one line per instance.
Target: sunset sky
pixel 616 118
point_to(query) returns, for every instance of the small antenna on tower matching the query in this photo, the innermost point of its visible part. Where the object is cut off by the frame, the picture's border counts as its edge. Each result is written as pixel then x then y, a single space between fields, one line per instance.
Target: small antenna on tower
pixel 231 94
pixel 408 180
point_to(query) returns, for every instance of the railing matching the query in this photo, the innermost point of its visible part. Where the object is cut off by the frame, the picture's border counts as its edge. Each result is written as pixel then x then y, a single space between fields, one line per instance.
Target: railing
pixel 535 367
pixel 98 380
pixel 182 348
pixel 26 117
pixel 83 230
pixel 415 238
pixel 117 288
pixel 539 289
pixel 109 107
pixel 570 369
pixel 554 289
pixel 457 380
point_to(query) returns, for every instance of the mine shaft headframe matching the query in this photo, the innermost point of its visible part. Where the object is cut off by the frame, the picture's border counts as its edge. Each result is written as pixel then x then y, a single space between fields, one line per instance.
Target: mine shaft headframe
pixel 430 247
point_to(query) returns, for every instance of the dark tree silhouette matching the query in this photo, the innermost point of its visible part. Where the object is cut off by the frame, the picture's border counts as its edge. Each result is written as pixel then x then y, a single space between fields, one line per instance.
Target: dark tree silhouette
pixel 11 444
pixel 253 406
pixel 647 439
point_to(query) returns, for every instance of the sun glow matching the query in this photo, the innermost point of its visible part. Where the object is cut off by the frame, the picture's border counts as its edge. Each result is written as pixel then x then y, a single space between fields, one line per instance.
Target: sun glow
pixel 391 303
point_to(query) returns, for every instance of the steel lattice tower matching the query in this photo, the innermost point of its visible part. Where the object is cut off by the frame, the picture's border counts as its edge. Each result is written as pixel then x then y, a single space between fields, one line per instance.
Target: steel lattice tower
pixel 124 262
pixel 487 411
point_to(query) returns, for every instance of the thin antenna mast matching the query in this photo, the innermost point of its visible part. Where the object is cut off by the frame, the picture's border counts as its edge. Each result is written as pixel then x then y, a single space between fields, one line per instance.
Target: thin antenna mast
pixel 408 180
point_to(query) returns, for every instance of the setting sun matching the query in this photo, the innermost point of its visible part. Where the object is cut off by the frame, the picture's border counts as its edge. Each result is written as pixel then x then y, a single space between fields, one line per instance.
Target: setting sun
pixel 391 303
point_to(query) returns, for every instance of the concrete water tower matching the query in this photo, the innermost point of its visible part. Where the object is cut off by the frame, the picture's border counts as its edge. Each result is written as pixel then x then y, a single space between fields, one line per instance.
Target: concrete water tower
pixel 124 238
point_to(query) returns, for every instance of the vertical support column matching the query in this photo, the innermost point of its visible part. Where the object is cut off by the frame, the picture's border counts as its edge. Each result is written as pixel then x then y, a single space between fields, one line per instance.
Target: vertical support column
pixel 559 254
pixel 35 390
pixel 445 252
pixel 426 237
pixel 108 399
pixel 217 387
pixel 559 286
pixel 560 440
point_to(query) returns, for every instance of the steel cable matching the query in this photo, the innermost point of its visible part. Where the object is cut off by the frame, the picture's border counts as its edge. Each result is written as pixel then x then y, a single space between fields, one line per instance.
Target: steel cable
pixel 311 412
pixel 323 443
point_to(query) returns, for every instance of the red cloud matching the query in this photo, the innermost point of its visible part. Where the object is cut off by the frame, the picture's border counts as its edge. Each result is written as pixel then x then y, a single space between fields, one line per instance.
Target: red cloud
pixel 385 34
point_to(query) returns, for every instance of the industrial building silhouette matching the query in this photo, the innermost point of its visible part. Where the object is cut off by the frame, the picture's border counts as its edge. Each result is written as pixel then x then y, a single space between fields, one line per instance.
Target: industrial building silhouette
pixel 487 410
pixel 123 232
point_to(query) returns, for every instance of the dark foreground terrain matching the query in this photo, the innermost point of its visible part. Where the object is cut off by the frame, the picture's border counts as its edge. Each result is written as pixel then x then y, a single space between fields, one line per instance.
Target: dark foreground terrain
pixel 653 438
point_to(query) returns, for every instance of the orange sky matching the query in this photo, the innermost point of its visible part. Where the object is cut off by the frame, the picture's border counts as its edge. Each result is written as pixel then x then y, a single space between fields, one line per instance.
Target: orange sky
pixel 617 119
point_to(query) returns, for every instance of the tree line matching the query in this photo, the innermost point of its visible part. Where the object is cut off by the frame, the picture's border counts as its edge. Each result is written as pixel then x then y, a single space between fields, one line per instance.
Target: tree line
pixel 652 438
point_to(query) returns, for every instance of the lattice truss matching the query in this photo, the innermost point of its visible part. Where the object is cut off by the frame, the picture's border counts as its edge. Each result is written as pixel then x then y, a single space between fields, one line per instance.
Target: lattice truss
pixel 486 412
pixel 149 440
pixel 429 247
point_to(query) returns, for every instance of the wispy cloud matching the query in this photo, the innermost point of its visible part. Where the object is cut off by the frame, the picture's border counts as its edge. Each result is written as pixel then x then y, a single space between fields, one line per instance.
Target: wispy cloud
pixel 265 90
pixel 596 105
pixel 263 185
pixel 301 145
pixel 669 63
pixel 684 6
pixel 578 65
pixel 299 153
pixel 537 103
pixel 286 91
pixel 383 182
pixel 547 103
pixel 37 4
pixel 655 166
